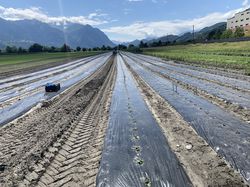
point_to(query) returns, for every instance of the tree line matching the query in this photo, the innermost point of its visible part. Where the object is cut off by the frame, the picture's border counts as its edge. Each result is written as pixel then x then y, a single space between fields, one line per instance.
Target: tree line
pixel 213 35
pixel 130 48
pixel 37 48
pixel 239 32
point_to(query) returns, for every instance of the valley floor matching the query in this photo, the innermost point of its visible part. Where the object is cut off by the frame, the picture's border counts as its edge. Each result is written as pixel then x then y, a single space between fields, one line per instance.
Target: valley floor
pixel 125 120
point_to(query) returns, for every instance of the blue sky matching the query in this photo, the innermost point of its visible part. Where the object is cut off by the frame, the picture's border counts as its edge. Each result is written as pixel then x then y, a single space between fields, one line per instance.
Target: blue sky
pixel 126 20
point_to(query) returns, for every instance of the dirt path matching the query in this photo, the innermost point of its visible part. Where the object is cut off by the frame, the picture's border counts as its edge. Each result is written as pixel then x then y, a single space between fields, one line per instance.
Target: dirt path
pixel 61 131
pixel 203 165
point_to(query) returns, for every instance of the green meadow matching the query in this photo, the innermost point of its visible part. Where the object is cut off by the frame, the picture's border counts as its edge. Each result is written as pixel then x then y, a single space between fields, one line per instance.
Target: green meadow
pixel 234 55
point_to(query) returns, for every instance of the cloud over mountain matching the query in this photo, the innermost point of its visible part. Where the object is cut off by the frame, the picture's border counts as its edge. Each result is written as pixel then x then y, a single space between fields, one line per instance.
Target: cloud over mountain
pixel 26 32
pixel 142 30
pixel 14 14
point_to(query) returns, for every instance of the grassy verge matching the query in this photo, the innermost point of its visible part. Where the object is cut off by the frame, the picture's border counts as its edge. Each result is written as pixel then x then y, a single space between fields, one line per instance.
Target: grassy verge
pixel 234 55
pixel 12 62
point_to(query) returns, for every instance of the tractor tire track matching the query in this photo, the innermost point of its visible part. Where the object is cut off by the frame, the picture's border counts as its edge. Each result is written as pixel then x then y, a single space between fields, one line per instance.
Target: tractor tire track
pixel 51 106
pixel 25 140
pixel 74 158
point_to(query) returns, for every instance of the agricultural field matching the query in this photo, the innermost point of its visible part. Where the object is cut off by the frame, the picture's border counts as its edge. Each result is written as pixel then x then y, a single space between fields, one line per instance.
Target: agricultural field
pixel 124 119
pixel 234 55
pixel 15 62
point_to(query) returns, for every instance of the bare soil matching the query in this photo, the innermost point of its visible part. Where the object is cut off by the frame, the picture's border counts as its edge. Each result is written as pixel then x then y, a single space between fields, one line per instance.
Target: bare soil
pixel 202 164
pixel 64 137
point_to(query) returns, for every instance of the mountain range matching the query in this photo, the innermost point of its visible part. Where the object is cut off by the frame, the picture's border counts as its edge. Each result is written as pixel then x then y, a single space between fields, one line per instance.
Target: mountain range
pixel 136 42
pixel 24 33
pixel 203 34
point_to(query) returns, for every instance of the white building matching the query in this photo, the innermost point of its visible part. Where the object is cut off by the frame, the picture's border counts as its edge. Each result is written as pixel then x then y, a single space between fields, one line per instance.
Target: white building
pixel 241 19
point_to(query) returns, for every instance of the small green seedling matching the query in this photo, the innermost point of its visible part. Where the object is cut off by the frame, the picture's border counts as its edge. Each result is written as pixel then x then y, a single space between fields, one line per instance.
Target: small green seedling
pixel 147 182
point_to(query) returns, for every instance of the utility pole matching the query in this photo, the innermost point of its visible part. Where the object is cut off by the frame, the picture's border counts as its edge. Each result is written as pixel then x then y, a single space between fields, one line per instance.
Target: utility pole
pixel 193 33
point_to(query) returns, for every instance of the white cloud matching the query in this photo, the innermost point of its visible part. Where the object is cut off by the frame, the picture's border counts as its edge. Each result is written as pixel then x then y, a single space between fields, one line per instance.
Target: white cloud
pixel 36 13
pixel 141 30
pixel 96 14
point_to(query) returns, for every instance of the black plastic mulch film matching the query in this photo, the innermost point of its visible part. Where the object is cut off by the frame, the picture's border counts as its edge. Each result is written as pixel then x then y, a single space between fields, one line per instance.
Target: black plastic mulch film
pixel 136 152
pixel 226 134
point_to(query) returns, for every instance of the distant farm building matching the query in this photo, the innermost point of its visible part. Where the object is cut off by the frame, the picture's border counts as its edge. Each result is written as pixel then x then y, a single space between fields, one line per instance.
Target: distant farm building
pixel 241 19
